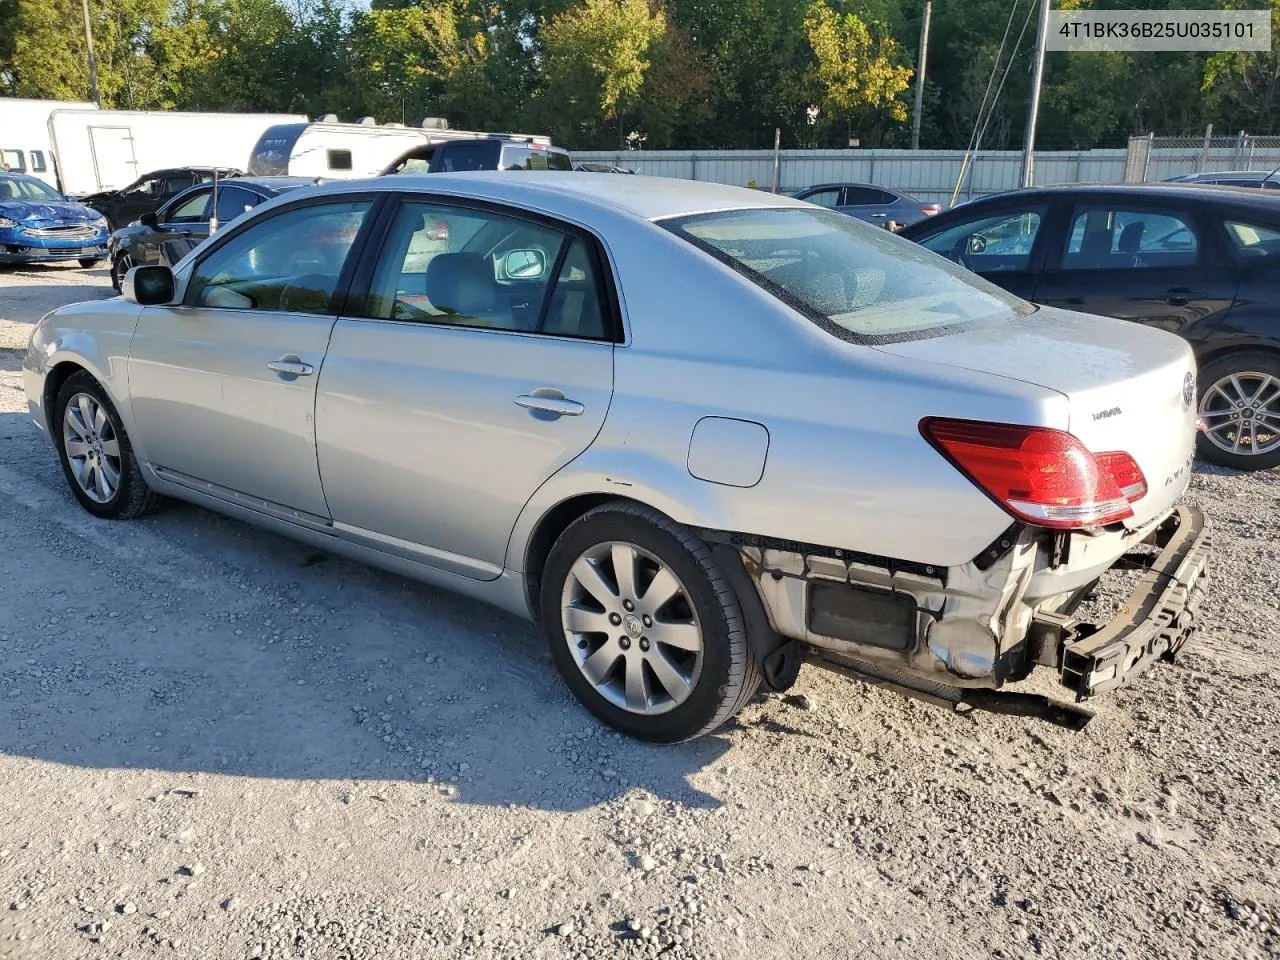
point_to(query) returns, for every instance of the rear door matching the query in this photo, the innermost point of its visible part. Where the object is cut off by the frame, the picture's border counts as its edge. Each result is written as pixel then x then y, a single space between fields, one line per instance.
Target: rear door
pixel 478 362
pixel 1005 245
pixel 1151 262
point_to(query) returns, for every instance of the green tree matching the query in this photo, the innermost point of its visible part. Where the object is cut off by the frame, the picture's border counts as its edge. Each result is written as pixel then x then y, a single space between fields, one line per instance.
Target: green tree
pixel 595 56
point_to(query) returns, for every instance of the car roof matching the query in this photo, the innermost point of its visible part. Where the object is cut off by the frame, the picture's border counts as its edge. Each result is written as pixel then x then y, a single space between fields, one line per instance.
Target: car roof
pixel 649 198
pixel 849 183
pixel 1212 174
pixel 1179 190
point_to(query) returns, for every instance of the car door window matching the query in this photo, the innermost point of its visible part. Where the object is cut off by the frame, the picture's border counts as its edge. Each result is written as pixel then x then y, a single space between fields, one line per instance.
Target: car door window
pixel 1253 240
pixel 464 267
pixel 289 262
pixel 865 196
pixel 825 198
pixel 1109 238
pixel 176 183
pixel 992 244
pixel 233 201
pixel 12 161
pixel 151 187
pixel 189 209
pixel 37 161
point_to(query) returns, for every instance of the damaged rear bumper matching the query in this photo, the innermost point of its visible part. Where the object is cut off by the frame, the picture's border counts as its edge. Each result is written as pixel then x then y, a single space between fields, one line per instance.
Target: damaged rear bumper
pixel 1157 619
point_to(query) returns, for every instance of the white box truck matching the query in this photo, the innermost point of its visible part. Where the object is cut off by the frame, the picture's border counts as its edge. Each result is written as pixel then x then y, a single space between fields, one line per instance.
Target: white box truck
pixel 108 149
pixel 25 146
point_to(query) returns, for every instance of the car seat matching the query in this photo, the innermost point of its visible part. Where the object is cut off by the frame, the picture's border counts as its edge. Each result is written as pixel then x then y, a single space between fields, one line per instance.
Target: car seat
pixel 463 286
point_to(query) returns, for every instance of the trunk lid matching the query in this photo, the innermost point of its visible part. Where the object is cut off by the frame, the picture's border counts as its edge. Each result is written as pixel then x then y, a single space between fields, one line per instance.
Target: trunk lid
pixel 1130 388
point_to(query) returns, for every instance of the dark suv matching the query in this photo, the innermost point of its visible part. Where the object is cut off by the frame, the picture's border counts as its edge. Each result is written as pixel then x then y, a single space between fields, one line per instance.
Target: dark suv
pixel 1199 261
pixel 148 193
pixel 487 153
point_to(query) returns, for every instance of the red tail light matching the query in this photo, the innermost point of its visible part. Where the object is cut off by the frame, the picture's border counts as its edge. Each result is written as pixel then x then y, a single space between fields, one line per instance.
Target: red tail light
pixel 1045 477
pixel 929 209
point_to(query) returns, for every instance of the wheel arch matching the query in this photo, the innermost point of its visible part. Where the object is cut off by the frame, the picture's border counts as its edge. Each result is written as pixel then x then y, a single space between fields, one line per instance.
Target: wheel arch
pixel 1212 352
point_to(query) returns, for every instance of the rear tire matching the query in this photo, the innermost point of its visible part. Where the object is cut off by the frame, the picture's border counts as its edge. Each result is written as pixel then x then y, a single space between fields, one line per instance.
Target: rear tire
pixel 661 652
pixel 1240 405
pixel 88 262
pixel 96 455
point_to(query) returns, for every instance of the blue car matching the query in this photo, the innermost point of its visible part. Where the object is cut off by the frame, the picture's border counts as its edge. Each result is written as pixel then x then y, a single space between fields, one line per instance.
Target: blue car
pixel 39 223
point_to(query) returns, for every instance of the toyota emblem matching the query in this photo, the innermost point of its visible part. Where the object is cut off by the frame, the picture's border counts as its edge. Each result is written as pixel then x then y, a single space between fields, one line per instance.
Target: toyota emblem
pixel 1188 389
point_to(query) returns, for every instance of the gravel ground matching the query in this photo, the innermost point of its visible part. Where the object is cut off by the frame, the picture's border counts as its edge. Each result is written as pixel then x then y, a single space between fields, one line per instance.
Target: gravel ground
pixel 218 743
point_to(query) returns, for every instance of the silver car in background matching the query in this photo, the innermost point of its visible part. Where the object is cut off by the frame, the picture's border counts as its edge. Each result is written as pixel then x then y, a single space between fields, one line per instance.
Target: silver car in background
pixel 700 434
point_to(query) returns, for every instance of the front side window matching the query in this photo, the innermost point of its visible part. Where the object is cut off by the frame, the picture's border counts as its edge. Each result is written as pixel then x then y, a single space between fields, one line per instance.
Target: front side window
pixel 458 157
pixel 38 162
pixel 824 198
pixel 475 268
pixel 192 208
pixel 11 161
pixel 855 281
pixel 146 188
pixel 1105 238
pixel 1253 240
pixel 993 244
pixel 288 263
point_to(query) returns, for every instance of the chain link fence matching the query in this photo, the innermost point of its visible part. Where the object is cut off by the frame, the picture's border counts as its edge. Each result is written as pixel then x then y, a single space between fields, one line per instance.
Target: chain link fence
pixel 1153 158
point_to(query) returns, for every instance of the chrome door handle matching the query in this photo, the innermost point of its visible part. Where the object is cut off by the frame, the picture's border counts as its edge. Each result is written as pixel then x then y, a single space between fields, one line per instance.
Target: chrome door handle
pixel 557 406
pixel 291 365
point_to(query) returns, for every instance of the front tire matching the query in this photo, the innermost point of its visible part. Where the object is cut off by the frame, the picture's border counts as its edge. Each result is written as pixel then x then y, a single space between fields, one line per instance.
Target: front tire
pixel 119 267
pixel 644 628
pixel 1240 406
pixel 96 455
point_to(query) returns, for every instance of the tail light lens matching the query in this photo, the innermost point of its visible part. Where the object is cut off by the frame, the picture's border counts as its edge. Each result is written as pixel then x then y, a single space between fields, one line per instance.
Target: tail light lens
pixel 1045 477
pixel 930 209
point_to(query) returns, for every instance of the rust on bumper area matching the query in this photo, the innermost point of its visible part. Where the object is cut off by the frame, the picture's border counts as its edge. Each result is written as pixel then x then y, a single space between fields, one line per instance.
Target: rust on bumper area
pixel 1157 619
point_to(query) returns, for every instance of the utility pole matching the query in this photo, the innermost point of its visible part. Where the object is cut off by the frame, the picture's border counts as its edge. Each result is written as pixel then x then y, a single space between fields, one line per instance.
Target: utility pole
pixel 93 63
pixel 921 60
pixel 1033 108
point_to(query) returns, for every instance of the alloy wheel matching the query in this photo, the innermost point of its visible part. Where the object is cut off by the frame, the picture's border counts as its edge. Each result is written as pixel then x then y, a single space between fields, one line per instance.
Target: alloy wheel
pixel 1241 413
pixel 93 449
pixel 631 628
pixel 122 265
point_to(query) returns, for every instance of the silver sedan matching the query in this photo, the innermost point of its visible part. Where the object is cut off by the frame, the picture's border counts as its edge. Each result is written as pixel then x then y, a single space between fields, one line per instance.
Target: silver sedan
pixel 700 434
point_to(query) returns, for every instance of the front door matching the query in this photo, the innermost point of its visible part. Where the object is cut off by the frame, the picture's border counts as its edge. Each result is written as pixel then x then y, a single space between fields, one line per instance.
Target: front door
pixel 1153 264
pixel 223 385
pixel 479 365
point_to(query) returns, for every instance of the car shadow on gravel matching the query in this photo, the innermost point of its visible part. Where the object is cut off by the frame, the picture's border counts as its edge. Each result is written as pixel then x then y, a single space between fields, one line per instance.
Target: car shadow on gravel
pixel 188 643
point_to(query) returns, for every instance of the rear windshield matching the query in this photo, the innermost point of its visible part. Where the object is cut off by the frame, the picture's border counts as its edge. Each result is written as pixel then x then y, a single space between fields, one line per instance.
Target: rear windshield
pixel 858 282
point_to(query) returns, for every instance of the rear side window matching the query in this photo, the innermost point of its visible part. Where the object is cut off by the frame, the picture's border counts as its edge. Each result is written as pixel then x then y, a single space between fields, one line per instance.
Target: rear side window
pixel 471 268
pixel 233 201
pixel 855 281
pixel 37 161
pixel 1107 238
pixel 339 159
pixel 993 244
pixel 12 161
pixel 866 196
pixel 460 157
pixel 1253 240
pixel 531 158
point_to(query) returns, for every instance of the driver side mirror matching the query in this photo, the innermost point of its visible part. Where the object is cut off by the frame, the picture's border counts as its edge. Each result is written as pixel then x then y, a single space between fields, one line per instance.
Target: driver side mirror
pixel 148 286
pixel 975 244
pixel 149 220
pixel 524 264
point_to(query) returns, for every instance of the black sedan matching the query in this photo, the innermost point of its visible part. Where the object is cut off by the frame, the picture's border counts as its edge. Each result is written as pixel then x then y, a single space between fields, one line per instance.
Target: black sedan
pixel 170 233
pixel 1200 261
pixel 149 192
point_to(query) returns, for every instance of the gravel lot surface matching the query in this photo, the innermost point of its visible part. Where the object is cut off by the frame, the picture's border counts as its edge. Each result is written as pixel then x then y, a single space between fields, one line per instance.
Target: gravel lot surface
pixel 218 743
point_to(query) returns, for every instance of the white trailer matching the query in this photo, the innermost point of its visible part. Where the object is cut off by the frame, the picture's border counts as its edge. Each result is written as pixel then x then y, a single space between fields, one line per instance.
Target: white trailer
pixel 108 149
pixel 25 146
pixel 343 151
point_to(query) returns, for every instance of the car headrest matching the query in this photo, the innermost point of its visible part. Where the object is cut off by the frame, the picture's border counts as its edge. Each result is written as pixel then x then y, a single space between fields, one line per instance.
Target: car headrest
pixel 461 283
pixel 6 191
pixel 1131 237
